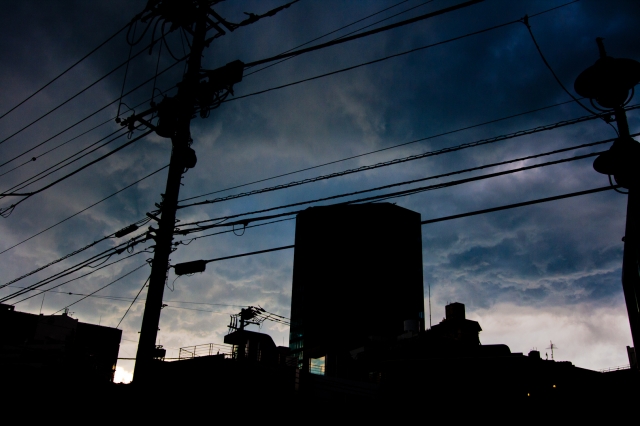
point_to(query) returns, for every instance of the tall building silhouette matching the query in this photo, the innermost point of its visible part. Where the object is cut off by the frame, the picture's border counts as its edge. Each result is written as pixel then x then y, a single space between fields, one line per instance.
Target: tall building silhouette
pixel 357 277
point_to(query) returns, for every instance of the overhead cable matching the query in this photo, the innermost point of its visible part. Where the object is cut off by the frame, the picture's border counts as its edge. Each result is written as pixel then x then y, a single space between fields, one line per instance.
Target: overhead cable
pixel 34 287
pixel 405 159
pixel 72 97
pixel 228 231
pixel 102 288
pixel 525 21
pixel 380 150
pixel 516 205
pixel 65 71
pixel 118 249
pixel 90 115
pixel 7 210
pixel 39 156
pixel 369 62
pixel 128 299
pixel 335 31
pixel 425 222
pixel 365 34
pixel 438 186
pixel 133 301
pixel 39 176
pixel 424 3
pixel 396 194
pixel 85 209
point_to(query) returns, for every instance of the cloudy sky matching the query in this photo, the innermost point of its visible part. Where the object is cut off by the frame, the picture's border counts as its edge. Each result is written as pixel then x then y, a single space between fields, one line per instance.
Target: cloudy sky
pixel 549 272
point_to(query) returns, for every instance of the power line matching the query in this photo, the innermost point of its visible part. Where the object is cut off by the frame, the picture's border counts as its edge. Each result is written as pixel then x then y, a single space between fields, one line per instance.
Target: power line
pixel 74 138
pixel 72 97
pixel 370 199
pixel 105 255
pixel 64 72
pixel 525 21
pixel 103 287
pixel 365 34
pixel 553 8
pixel 404 159
pixel 441 219
pixel 32 159
pixel 387 18
pixel 119 249
pixel 386 28
pixel 369 62
pixel 73 253
pixel 35 177
pixel 92 114
pixel 335 31
pixel 230 230
pixel 424 188
pixel 7 211
pixel 346 69
pixel 516 205
pixel 31 288
pixel 85 209
pixel 381 150
pixel 438 186
pixel 134 301
pixel 128 299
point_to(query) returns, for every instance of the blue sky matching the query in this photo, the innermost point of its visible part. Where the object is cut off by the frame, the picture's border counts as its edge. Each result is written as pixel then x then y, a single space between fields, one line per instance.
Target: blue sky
pixel 529 275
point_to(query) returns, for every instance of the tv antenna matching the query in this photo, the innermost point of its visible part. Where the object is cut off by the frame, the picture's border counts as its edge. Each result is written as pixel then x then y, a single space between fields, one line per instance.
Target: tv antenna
pixel 552 347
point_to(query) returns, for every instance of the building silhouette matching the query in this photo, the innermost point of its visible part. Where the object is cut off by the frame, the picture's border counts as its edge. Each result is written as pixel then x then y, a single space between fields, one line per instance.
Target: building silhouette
pixel 56 348
pixel 357 278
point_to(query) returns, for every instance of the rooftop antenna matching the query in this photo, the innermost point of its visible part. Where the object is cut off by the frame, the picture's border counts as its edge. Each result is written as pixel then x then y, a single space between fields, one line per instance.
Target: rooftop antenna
pixel 552 347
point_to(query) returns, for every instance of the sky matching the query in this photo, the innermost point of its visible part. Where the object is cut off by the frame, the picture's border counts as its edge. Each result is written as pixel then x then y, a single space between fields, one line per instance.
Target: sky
pixel 531 275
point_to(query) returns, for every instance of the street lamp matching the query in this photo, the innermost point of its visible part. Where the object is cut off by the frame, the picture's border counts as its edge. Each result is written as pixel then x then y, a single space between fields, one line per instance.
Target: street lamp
pixel 609 84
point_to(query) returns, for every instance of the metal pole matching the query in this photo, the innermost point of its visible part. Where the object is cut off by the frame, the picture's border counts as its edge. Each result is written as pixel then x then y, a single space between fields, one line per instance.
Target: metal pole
pixel 164 239
pixel 630 271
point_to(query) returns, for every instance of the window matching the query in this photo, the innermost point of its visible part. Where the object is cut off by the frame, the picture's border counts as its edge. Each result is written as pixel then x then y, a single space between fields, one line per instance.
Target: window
pixel 316 366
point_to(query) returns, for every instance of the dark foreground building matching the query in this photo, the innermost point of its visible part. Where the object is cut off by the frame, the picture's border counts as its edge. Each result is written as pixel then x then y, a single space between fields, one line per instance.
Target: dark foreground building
pixel 357 277
pixel 56 349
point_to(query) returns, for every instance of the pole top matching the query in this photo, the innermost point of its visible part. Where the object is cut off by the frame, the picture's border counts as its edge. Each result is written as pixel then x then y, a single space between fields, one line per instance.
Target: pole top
pixel 609 80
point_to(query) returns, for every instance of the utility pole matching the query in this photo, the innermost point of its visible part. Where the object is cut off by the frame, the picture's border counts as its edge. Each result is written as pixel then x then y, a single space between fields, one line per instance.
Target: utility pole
pixel 199 91
pixel 180 142
pixel 610 82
